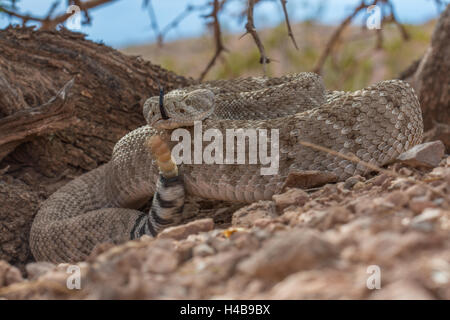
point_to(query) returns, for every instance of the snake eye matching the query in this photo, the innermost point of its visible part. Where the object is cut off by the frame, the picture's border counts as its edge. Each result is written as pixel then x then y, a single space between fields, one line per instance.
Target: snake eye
pixel 182 111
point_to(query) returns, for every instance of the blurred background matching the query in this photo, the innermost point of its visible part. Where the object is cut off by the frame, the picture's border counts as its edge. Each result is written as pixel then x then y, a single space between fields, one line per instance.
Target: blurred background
pixel 179 35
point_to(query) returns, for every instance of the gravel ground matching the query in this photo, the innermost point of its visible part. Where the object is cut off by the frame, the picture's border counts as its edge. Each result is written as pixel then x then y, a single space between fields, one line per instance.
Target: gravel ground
pixel 385 236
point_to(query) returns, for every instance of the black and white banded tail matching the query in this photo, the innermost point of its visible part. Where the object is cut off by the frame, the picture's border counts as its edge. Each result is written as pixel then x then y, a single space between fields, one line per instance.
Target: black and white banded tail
pixel 166 210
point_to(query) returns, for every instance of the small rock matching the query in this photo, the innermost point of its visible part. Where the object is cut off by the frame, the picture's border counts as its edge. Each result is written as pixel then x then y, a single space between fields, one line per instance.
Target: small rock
pixel 205 272
pixel 441 172
pixel 287 253
pixel 405 172
pixel 427 215
pixel 246 216
pixel 424 155
pixel 37 269
pixel 381 179
pixel 324 220
pixel 146 238
pixel 161 258
pixel 8 274
pixel 397 198
pixel 308 179
pixel 262 223
pixel 293 197
pixel 358 186
pixel 352 181
pixel 416 191
pixel 183 231
pixel 220 244
pixel 184 250
pixel 245 240
pixel 203 250
pixel 419 204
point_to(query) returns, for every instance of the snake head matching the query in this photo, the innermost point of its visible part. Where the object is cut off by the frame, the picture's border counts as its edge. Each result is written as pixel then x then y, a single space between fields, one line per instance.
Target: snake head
pixel 179 108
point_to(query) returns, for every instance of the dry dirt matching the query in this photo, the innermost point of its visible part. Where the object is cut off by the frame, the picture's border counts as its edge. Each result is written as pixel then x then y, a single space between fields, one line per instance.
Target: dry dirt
pixel 328 243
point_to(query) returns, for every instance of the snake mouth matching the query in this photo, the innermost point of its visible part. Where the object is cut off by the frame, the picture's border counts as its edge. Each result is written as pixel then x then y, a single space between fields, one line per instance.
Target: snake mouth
pixel 166 124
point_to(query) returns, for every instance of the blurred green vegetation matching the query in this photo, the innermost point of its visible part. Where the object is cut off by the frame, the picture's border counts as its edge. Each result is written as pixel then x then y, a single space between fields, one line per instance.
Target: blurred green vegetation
pixel 237 62
pixel 354 63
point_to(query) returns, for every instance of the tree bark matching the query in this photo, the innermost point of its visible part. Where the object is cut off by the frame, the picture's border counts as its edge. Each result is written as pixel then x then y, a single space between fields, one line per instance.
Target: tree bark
pixel 45 140
pixel 431 80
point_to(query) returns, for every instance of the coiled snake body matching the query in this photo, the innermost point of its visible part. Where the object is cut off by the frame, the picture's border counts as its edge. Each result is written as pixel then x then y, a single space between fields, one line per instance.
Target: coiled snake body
pixel 376 124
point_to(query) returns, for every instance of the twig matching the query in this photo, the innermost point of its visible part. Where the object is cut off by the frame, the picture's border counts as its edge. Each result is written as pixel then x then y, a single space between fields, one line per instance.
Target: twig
pixel 49 23
pixel 52 9
pixel 379 44
pixel 286 17
pixel 87 17
pixel 175 22
pixel 153 21
pixel 336 35
pixel 439 6
pixel 379 32
pixel 393 19
pixel 250 27
pixel 355 159
pixel 217 5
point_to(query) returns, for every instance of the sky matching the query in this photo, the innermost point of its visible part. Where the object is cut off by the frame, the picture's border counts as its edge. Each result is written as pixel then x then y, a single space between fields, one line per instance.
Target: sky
pixel 125 22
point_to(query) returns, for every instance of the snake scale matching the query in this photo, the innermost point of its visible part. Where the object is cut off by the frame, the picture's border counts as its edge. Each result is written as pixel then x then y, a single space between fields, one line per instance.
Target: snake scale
pixel 376 124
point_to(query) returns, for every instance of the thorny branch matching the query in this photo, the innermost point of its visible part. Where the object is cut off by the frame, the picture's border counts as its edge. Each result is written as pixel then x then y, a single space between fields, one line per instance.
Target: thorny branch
pixel 217 5
pixel 48 23
pixel 153 21
pixel 393 18
pixel 217 36
pixel 219 46
pixel 250 27
pixel 336 35
pixel 286 17
pixel 379 33
pixel 160 34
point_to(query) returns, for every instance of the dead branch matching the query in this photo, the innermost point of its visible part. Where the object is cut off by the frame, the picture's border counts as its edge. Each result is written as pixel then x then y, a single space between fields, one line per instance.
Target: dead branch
pixel 379 32
pixel 250 27
pixel 48 23
pixel 393 18
pixel 52 116
pixel 336 35
pixel 161 33
pixel 153 21
pixel 217 5
pixel 286 17
pixel 379 42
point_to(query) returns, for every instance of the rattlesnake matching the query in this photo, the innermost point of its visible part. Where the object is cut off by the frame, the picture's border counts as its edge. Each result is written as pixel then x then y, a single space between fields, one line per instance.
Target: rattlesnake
pixel 376 124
